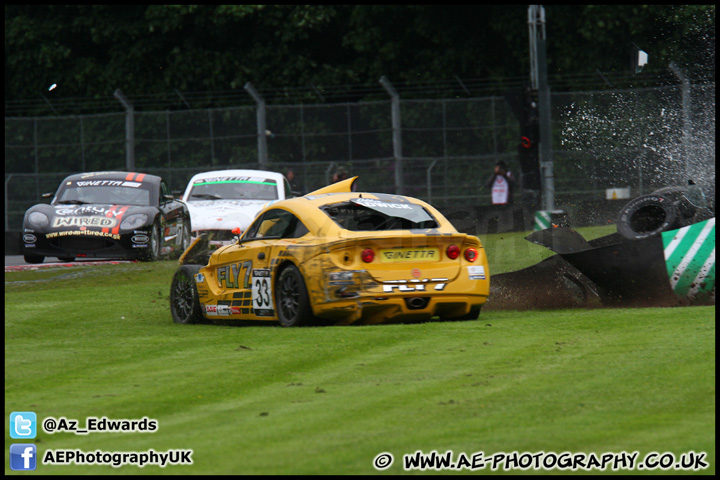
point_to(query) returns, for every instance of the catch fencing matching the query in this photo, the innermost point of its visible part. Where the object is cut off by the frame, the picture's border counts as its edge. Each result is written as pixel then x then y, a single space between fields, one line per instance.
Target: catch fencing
pixel 443 149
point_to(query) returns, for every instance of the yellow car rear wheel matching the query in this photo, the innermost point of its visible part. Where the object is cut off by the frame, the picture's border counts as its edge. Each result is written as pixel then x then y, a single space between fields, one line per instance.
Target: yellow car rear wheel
pixel 293 304
pixel 472 315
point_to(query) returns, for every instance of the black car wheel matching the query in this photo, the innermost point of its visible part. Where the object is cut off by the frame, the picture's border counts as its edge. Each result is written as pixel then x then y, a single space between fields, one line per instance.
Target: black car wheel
pixel 152 254
pixel 293 304
pixel 184 303
pixel 33 258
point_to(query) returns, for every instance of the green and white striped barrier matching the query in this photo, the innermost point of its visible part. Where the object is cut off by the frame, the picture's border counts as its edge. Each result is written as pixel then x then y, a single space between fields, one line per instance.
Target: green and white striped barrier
pixel 543 220
pixel 690 260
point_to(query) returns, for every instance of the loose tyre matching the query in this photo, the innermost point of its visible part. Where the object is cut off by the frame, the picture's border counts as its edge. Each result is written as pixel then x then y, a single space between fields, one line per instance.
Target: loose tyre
pixel 184 304
pixel 293 305
pixel 647 216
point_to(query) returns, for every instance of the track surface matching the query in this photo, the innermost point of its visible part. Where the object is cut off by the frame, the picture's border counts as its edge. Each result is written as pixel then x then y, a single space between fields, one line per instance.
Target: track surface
pixel 16 263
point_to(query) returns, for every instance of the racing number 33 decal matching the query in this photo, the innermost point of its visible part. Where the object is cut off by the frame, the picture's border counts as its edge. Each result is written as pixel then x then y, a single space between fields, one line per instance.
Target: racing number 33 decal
pixel 262 298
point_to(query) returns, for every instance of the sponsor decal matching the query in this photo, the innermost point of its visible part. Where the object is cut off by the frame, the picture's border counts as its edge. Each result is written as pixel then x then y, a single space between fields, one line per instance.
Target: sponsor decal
pixel 91 221
pixel 414 285
pixel 221 310
pixel 370 203
pixel 235 179
pixel 82 210
pixel 409 255
pixel 262 295
pixel 29 238
pixel 140 238
pixel 476 272
pixel 395 208
pixel 228 276
pixel 99 183
pixel 93 233
pixel 130 177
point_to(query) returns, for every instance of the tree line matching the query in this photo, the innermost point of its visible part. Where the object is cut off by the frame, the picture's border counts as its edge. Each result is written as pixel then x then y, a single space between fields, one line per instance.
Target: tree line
pixel 91 50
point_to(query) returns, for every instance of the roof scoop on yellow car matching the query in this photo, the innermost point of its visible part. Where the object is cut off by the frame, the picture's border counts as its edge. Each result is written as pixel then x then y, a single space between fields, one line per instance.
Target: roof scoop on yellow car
pixel 343 186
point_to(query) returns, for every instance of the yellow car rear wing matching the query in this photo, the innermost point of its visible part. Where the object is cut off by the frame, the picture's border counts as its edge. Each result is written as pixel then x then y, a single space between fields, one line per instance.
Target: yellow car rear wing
pixel 343 186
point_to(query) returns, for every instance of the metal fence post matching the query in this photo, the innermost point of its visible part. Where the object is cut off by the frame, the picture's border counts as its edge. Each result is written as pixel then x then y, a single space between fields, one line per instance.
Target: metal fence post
pixel 7 182
pixel 212 138
pixel 428 174
pixel 686 133
pixel 538 76
pixel 397 135
pixel 36 154
pixel 82 144
pixel 129 130
pixel 261 126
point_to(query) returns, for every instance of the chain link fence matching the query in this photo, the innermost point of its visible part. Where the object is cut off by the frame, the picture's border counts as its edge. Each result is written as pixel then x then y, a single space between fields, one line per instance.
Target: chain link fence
pixel 642 139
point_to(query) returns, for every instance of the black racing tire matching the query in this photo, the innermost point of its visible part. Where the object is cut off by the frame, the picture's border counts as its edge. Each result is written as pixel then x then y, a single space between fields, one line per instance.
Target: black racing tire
pixel 152 254
pixel 33 258
pixel 184 300
pixel 293 303
pixel 473 314
pixel 647 216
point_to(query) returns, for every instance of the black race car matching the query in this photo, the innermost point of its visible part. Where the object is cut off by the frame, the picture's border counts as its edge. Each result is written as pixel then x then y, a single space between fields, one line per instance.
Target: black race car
pixel 107 215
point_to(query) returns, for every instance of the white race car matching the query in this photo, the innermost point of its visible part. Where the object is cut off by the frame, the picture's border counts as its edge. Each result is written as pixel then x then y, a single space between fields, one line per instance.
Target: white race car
pixel 223 203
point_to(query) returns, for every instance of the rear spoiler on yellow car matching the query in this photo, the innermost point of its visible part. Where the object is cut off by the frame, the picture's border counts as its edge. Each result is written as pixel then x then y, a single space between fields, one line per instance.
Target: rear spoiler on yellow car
pixel 343 186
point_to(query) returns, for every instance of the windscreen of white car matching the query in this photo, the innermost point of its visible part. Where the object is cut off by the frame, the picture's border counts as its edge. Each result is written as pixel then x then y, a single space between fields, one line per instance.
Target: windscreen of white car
pixel 233 188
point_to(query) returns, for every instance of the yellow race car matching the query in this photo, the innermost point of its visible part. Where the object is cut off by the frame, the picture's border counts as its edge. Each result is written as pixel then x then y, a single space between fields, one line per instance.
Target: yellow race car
pixel 340 257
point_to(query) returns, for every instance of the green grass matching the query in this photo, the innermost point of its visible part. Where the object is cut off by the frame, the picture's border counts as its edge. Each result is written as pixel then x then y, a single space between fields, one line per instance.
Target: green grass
pixel 99 341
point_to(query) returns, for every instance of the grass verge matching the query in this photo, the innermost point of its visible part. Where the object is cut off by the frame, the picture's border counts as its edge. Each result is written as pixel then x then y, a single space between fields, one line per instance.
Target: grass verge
pixel 99 341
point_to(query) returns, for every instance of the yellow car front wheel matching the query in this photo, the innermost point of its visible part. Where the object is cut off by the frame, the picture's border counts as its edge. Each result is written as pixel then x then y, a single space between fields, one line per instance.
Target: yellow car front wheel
pixel 184 305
